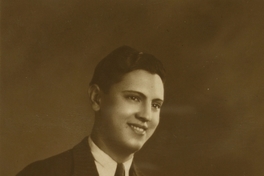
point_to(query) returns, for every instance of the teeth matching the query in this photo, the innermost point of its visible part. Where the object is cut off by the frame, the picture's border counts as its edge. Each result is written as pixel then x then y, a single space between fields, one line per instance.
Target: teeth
pixel 138 129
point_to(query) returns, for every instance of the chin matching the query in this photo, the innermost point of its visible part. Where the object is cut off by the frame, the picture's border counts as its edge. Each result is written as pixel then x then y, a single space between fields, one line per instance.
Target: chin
pixel 134 146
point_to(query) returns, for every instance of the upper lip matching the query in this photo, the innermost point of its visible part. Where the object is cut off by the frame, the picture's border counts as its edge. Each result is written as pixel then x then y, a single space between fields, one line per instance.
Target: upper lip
pixel 143 126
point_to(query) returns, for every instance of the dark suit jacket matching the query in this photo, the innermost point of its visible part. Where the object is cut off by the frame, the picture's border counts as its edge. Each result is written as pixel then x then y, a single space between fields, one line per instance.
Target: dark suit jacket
pixel 77 161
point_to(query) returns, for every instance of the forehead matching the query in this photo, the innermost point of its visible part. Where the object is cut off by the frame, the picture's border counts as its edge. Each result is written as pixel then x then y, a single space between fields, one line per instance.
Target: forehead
pixel 141 81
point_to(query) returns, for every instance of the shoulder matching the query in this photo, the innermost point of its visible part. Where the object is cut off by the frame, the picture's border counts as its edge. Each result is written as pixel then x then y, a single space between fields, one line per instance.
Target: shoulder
pixel 75 160
pixel 60 164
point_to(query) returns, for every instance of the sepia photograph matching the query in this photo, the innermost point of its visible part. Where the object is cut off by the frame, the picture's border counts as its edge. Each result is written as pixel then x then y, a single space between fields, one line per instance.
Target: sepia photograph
pixel 132 88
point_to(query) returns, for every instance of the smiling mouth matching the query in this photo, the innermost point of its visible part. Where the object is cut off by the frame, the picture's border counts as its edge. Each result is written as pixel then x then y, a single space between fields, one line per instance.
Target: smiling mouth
pixel 138 129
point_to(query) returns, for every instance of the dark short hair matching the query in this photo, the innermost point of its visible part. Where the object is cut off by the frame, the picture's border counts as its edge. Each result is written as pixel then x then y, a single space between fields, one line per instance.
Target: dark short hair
pixel 122 60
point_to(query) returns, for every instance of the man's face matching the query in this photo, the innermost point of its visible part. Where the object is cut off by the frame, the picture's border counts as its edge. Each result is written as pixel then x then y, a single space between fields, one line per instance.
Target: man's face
pixel 130 111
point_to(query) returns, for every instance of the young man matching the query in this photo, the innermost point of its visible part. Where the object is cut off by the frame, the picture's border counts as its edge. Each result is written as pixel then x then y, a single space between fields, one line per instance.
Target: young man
pixel 126 94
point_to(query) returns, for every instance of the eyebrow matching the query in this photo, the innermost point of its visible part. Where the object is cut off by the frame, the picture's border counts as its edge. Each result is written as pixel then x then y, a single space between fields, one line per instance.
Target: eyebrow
pixel 141 94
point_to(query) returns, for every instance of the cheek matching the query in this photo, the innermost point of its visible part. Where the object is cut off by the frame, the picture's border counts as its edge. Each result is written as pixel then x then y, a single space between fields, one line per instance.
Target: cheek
pixel 155 121
pixel 123 108
pixel 113 107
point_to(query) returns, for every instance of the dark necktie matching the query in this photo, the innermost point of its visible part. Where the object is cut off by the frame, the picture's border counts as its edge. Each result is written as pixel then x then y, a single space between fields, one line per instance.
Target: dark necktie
pixel 120 170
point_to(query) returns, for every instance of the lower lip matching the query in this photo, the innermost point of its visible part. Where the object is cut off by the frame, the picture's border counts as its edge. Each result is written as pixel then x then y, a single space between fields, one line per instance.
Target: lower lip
pixel 137 131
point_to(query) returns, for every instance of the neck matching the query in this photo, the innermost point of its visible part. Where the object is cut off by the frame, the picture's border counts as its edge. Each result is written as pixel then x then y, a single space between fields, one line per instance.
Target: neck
pixel 117 153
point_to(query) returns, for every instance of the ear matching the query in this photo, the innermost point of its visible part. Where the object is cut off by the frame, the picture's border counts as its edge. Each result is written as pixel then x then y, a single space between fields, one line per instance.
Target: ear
pixel 95 96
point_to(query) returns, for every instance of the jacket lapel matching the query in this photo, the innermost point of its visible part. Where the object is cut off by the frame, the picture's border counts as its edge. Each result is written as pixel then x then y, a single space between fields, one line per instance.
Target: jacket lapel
pixel 83 160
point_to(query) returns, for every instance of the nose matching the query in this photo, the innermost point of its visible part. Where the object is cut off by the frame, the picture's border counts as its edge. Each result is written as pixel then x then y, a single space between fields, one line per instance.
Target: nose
pixel 144 113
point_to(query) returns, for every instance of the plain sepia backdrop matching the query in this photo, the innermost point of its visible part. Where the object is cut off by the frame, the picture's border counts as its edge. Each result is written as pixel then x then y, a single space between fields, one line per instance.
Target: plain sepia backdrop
pixel 212 121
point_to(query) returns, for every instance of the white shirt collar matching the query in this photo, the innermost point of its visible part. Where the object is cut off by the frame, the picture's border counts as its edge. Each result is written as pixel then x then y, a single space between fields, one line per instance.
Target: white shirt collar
pixel 105 165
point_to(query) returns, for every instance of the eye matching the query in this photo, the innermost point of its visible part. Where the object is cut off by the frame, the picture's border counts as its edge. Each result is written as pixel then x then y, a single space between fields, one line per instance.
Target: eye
pixel 134 98
pixel 156 106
